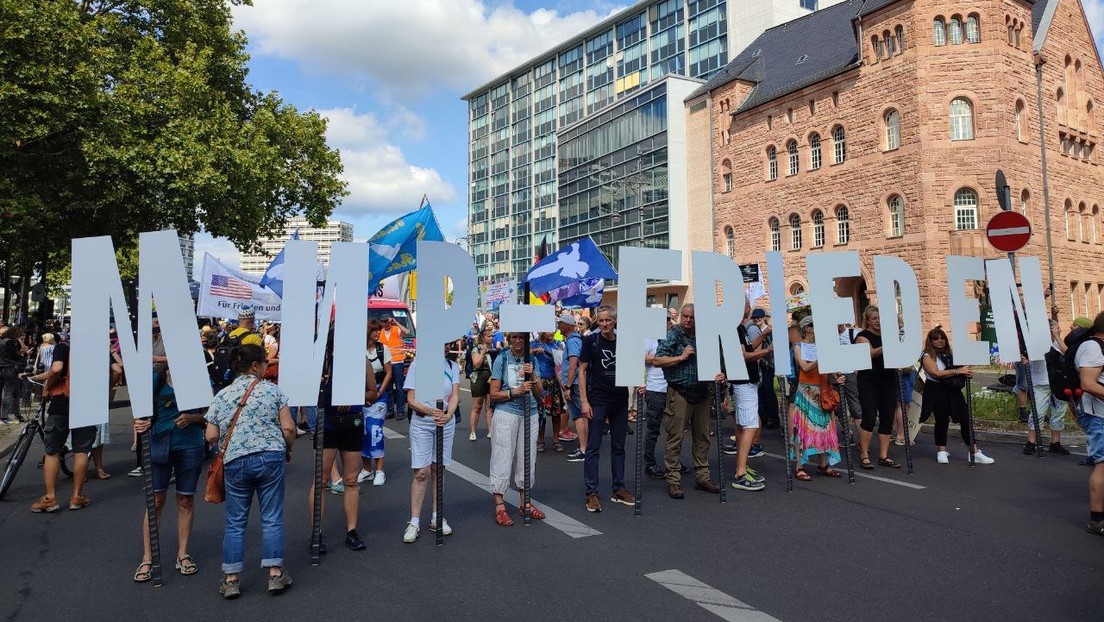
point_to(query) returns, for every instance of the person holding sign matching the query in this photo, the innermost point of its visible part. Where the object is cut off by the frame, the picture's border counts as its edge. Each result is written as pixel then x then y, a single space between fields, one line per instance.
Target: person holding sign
pixel 943 394
pixel 514 388
pixel 813 429
pixel 745 394
pixel 423 423
pixel 878 388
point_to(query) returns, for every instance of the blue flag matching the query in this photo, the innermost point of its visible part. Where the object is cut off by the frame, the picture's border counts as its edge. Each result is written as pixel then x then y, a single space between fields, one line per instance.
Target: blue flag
pixel 576 261
pixel 274 275
pixel 393 249
pixel 582 294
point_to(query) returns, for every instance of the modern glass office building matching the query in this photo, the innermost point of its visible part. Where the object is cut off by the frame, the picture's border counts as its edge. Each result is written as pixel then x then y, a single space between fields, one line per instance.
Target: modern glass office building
pixel 513 196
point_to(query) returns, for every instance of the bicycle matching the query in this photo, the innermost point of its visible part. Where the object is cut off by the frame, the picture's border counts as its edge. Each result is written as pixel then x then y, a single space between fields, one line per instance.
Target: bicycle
pixel 35 426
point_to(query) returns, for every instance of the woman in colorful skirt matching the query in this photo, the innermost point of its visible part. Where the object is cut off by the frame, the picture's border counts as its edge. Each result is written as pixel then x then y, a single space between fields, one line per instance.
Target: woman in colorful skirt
pixel 813 430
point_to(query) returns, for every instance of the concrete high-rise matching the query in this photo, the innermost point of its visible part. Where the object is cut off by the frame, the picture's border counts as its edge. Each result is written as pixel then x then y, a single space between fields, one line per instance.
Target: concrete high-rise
pixel 334 231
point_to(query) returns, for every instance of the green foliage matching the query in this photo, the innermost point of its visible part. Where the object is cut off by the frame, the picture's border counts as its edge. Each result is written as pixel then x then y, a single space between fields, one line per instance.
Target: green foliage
pixel 122 116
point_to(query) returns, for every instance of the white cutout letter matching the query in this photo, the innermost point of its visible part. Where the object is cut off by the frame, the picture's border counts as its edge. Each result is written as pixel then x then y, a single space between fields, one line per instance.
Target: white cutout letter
pixel 635 321
pixel 1007 309
pixel 776 277
pixel 965 310
pixel 829 311
pixel 889 274
pixel 440 323
pixel 716 323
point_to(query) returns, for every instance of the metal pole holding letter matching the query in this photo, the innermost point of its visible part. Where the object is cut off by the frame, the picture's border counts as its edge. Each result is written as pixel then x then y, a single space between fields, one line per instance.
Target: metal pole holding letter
pixel 717 389
pixel 439 478
pixel 905 421
pixel 640 404
pixel 845 421
pixel 970 418
pixel 527 429
pixel 151 507
pixel 316 517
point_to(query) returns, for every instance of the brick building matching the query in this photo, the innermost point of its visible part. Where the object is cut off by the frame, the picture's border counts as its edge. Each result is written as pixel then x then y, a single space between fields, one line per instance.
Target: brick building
pixel 878 125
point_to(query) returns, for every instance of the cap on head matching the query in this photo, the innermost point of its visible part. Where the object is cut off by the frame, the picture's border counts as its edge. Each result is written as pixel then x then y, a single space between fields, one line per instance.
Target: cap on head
pixel 246 313
pixel 758 313
pixel 566 318
pixel 805 321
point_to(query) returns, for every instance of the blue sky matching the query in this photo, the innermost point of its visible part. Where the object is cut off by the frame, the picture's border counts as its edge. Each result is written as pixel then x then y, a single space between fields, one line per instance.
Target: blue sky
pixel 389 75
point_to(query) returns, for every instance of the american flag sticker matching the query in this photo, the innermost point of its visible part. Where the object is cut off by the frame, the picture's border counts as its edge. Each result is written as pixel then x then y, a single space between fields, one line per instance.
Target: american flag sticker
pixel 230 287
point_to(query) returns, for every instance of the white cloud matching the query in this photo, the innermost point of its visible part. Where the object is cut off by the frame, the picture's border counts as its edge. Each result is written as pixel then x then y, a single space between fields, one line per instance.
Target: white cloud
pixel 221 248
pixel 1094 11
pixel 412 47
pixel 379 176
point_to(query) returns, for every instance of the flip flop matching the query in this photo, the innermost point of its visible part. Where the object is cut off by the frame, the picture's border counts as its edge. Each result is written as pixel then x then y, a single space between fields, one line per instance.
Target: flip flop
pixel 102 475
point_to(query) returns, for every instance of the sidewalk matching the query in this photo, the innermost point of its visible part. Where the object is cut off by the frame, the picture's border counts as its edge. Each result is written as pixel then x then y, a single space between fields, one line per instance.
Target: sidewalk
pixel 9 434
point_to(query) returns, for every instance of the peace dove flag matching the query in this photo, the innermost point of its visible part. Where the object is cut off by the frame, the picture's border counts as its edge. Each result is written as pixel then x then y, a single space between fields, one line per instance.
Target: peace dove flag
pixel 579 260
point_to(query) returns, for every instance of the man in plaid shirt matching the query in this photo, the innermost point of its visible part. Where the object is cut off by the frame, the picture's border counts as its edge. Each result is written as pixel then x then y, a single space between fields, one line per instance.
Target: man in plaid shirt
pixel 677 356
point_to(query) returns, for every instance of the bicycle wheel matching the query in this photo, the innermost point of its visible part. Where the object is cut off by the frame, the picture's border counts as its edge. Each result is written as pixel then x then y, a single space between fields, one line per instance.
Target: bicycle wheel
pixel 19 453
pixel 65 458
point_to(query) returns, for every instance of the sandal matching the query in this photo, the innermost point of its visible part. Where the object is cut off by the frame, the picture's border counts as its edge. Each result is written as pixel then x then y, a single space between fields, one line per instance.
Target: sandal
pixel 557 446
pixel 102 474
pixel 802 475
pixel 144 572
pixel 534 513
pixel 865 463
pixel 888 462
pixel 828 471
pixel 540 447
pixel 501 517
pixel 186 566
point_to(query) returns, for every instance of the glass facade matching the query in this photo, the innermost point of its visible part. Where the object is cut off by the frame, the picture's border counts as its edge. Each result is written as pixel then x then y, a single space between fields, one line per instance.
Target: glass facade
pixel 520 193
pixel 613 176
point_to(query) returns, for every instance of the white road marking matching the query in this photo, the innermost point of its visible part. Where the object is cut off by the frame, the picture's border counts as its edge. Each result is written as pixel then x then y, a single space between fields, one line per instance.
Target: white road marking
pixel 709 598
pixel 553 518
pixel 873 477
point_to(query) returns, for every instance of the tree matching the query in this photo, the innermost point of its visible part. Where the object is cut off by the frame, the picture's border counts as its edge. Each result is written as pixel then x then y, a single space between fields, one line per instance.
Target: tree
pixel 123 116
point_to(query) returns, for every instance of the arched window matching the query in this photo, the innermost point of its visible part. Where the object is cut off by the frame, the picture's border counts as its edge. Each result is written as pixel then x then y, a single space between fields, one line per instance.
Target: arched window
pixel 818 228
pixel 814 151
pixel 966 209
pixel 730 240
pixel 797 288
pixel 876 48
pixel 775 234
pixel 791 150
pixel 1016 35
pixel 726 175
pixel 900 32
pixel 795 232
pixel 1068 211
pixel 772 163
pixel 839 144
pixel 1095 218
pixel 896 223
pixel 939 32
pixel 973 29
pixel 1025 203
pixel 890 43
pixel 1021 134
pixel 962 119
pixel 892 120
pixel 1090 119
pixel 1081 228
pixel 1010 24
pixel 843 225
pixel 954 30
pixel 1063 111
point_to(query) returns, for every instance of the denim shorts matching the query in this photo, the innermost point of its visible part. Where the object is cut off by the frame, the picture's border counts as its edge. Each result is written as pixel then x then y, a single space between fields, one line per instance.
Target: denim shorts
pixel 186 464
pixel 1093 427
pixel 1021 377
pixel 575 404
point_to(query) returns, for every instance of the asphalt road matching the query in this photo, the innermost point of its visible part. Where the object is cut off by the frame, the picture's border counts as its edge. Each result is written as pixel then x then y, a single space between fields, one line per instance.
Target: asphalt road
pixel 947 543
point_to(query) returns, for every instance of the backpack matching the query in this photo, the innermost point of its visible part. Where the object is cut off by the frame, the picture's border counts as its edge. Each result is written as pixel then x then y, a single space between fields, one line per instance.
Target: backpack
pixel 223 374
pixel 1067 377
pixel 469 365
pixel 379 357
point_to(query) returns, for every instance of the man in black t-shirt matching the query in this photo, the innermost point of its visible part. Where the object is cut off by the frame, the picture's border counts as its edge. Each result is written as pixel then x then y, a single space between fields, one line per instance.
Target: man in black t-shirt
pixel 57 431
pixel 604 404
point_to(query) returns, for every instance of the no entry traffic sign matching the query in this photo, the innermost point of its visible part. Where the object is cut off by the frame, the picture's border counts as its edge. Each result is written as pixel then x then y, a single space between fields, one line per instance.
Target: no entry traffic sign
pixel 1008 231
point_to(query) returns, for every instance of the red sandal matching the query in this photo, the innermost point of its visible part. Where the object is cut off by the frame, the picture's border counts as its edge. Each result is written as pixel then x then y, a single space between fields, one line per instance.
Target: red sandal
pixel 501 517
pixel 828 471
pixel 802 475
pixel 534 513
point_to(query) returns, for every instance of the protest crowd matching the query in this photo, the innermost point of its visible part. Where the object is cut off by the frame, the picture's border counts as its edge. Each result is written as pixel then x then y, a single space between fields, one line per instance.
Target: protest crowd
pixel 520 382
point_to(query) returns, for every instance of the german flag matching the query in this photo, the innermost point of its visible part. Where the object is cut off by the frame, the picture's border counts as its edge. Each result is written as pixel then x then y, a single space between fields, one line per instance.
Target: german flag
pixel 542 252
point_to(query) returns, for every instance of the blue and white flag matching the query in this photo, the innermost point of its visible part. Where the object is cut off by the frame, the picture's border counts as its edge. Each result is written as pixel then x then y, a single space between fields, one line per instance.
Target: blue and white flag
pixel 581 294
pixel 393 250
pixel 274 275
pixel 579 260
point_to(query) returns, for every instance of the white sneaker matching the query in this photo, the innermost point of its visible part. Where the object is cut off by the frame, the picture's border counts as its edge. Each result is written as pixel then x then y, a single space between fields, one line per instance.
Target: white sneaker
pixel 471 437
pixel 943 457
pixel 445 529
pixel 981 458
pixel 136 472
pixel 379 479
pixel 364 476
pixel 411 533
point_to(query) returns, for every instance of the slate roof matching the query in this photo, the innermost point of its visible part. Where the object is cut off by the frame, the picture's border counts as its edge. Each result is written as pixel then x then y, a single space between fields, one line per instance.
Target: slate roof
pixel 826 40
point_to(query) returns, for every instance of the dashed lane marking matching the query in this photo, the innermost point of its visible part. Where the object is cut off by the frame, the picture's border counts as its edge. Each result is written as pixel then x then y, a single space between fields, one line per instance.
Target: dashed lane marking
pixel 709 598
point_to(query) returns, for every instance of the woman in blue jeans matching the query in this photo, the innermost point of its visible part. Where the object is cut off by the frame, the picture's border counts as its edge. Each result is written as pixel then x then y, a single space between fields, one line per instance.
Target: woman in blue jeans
pixel 254 456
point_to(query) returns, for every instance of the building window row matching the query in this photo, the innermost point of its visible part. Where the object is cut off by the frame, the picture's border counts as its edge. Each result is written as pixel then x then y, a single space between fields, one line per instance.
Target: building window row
pixel 793 157
pixel 1086 299
pixel 888 44
pixel 955 31
pixel 1014 27
pixel 1082 223
pixel 1077 148
pixel 1071 111
pixel 817 218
